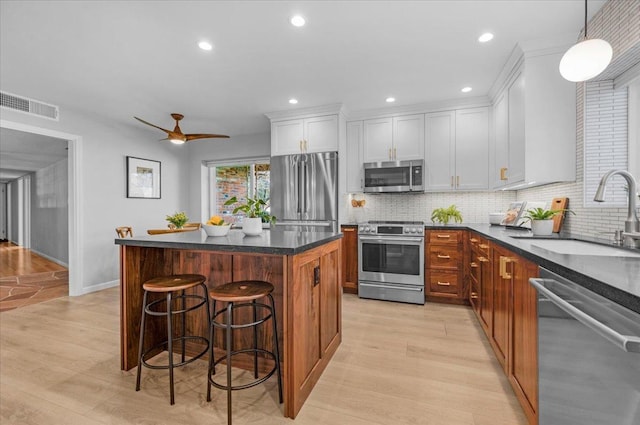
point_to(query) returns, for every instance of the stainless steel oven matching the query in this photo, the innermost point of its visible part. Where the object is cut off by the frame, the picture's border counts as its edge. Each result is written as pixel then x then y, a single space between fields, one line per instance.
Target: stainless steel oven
pixel 391 261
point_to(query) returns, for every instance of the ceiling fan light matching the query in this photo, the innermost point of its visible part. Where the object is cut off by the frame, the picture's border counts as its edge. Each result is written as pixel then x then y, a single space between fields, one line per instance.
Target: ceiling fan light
pixel 176 141
pixel 586 60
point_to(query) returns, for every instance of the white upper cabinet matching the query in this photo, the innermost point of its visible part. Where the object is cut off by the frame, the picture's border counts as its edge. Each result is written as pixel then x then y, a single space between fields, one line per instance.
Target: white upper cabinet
pixel 535 125
pixel 394 139
pixel 315 134
pixel 472 149
pixel 354 156
pixel 440 145
pixel 457 150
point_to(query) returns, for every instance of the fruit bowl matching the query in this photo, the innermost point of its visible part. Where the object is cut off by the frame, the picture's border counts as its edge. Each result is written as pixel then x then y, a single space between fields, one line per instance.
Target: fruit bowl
pixel 216 230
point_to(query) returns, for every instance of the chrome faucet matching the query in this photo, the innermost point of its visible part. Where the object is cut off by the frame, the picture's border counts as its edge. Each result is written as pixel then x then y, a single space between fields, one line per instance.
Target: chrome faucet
pixel 631 232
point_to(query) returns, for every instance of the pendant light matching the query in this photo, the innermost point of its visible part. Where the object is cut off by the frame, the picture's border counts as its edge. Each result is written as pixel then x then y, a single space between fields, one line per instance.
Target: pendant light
pixel 586 59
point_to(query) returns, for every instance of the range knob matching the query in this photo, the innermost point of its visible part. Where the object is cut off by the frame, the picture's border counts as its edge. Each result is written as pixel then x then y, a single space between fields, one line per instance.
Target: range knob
pixel 361 229
pixel 414 230
pixel 407 230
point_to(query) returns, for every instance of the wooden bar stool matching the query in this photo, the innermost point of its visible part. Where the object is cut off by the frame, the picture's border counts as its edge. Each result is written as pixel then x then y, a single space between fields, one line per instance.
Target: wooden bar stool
pixel 169 285
pixel 242 295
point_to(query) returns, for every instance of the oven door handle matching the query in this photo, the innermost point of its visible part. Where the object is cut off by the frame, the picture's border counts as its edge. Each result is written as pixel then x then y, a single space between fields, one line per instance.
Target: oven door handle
pixel 397 288
pixel 416 241
pixel 629 343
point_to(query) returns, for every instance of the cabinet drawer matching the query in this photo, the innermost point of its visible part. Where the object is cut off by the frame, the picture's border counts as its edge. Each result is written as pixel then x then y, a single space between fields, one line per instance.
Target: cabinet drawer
pixel 444 282
pixel 445 236
pixel 443 256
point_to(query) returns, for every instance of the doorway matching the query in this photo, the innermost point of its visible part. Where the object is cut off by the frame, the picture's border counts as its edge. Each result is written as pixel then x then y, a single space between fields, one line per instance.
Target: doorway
pixel 73 187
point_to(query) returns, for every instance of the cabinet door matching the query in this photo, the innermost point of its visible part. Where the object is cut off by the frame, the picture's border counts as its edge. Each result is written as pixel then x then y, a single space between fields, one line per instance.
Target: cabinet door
pixel 330 298
pixel 439 158
pixel 502 277
pixel 350 259
pixel 408 137
pixel 321 134
pixel 523 358
pixel 501 141
pixel 378 137
pixel 306 316
pixel 354 156
pixel 516 107
pixel 472 149
pixel 286 137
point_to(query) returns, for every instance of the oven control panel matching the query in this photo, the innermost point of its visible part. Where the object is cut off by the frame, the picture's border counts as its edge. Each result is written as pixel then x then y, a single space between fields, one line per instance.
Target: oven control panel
pixel 391 229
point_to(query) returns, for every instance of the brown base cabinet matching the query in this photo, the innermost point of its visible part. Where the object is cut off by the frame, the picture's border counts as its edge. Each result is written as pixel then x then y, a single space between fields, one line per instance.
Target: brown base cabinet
pixel 506 307
pixel 349 259
pixel 444 267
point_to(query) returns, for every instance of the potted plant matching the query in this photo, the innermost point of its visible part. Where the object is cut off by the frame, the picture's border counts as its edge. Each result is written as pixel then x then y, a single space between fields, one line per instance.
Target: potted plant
pixel 216 226
pixel 256 213
pixel 444 215
pixel 542 220
pixel 178 220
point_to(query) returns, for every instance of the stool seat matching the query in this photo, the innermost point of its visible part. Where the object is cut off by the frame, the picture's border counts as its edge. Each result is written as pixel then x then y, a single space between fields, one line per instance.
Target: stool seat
pixel 176 282
pixel 243 290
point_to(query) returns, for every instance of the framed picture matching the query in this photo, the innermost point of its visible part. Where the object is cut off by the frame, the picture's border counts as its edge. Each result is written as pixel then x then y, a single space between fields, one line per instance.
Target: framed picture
pixel 143 178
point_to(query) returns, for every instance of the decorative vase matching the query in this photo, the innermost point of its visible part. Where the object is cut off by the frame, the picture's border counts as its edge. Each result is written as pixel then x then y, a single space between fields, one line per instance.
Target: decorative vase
pixel 252 226
pixel 542 227
pixel 216 230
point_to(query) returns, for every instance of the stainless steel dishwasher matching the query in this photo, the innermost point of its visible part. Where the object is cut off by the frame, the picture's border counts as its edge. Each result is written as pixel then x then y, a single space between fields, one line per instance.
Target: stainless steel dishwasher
pixel 588 356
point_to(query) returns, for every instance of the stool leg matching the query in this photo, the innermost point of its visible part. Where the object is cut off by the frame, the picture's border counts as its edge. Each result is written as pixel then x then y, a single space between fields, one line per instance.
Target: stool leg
pixel 277 349
pixel 184 325
pixel 229 349
pixel 255 341
pixel 170 346
pixel 211 369
pixel 143 321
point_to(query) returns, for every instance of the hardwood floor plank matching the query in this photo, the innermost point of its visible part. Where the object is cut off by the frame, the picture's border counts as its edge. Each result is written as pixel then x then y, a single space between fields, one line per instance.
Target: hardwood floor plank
pixel 398 364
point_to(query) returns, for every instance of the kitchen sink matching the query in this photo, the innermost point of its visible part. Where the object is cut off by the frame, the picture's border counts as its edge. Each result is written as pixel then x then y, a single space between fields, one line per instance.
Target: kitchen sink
pixel 577 247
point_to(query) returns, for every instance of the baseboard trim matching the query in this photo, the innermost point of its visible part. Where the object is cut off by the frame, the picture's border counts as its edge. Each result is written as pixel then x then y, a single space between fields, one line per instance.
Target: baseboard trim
pixel 50 258
pixel 99 287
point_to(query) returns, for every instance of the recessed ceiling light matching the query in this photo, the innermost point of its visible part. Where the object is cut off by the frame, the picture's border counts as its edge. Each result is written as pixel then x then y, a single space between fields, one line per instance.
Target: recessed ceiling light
pixel 466 89
pixel 487 36
pixel 297 21
pixel 293 101
pixel 390 99
pixel 204 45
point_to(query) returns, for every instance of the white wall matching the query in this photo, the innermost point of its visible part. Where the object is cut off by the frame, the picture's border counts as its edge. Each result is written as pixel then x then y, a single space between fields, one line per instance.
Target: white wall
pixel 103 203
pixel 50 212
pixel 244 146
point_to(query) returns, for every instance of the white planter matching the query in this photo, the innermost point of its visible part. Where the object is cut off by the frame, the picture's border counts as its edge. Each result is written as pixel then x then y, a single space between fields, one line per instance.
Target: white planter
pixel 542 227
pixel 216 230
pixel 252 226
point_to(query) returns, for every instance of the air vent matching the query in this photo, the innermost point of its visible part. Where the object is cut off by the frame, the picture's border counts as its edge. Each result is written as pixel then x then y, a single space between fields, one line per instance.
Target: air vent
pixel 28 106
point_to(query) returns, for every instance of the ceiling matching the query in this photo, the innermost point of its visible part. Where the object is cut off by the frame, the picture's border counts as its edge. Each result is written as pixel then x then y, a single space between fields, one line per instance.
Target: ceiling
pixel 23 153
pixel 120 59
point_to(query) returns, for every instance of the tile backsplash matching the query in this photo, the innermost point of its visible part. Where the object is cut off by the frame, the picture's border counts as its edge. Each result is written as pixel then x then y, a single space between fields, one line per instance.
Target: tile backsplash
pixel 474 206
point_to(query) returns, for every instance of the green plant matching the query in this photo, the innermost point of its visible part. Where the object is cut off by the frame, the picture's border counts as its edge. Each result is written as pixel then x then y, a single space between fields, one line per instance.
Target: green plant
pixel 543 214
pixel 179 219
pixel 443 215
pixel 253 208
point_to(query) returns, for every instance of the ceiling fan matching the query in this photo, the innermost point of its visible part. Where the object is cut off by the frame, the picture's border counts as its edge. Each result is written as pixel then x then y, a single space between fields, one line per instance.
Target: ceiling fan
pixel 178 137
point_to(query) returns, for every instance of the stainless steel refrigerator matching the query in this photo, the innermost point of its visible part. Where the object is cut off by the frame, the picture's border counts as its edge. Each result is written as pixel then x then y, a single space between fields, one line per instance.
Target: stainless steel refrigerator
pixel 304 191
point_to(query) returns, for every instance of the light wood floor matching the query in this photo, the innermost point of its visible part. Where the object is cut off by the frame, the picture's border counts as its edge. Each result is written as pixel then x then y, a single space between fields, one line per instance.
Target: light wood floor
pixel 398 364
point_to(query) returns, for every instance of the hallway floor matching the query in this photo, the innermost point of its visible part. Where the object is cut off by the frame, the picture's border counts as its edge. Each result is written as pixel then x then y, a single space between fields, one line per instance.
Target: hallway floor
pixel 27 278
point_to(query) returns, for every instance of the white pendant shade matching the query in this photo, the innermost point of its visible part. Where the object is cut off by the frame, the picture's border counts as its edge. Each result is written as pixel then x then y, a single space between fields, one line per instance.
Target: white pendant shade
pixel 586 60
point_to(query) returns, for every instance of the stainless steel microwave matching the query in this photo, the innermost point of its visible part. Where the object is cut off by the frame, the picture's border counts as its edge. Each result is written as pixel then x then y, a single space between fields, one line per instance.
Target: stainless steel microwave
pixel 394 176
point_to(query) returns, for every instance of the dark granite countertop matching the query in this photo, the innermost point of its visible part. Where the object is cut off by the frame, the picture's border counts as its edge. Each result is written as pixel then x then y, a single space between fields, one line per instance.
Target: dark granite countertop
pixel 278 242
pixel 616 278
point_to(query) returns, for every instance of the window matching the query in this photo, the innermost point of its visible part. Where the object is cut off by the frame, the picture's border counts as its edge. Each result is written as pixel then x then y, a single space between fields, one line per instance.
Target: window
pixel 240 178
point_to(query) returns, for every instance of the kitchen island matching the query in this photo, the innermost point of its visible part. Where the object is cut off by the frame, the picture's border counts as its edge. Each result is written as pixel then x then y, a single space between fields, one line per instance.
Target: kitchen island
pixel 304 268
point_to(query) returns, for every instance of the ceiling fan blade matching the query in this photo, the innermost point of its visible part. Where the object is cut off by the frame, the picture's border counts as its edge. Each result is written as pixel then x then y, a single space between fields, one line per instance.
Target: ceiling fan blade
pixel 153 125
pixel 205 136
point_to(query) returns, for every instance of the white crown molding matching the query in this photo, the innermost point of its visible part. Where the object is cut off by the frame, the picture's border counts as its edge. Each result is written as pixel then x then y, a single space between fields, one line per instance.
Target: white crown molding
pixel 315 111
pixel 420 108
